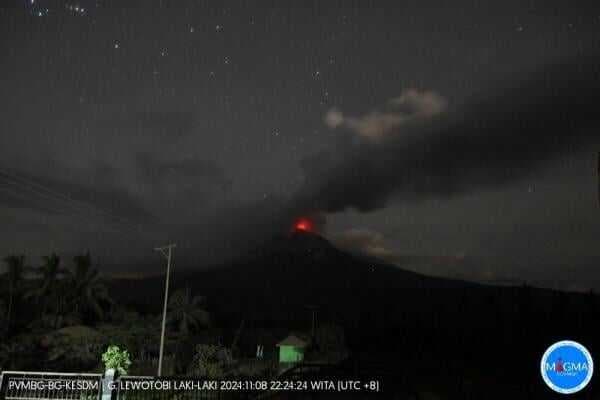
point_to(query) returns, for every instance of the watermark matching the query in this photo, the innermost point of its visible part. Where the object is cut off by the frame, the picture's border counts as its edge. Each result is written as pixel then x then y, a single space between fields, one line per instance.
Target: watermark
pixel 249 385
pixel 62 388
pixel 52 385
pixel 567 367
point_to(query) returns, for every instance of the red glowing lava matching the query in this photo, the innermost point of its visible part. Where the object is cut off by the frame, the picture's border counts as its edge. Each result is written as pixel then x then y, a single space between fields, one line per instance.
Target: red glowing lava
pixel 303 225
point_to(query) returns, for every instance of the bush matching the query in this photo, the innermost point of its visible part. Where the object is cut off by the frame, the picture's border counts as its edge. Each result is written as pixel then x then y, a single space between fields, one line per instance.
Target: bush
pixel 210 361
pixel 116 359
pixel 331 343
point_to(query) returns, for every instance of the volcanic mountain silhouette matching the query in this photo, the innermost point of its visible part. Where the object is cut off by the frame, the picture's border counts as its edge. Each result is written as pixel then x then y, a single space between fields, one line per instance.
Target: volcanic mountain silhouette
pixel 303 262
pixel 286 274
pixel 440 327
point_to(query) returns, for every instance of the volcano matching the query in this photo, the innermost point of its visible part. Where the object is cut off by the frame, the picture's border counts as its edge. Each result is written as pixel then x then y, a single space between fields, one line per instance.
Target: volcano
pixel 303 225
pixel 388 314
pixel 293 270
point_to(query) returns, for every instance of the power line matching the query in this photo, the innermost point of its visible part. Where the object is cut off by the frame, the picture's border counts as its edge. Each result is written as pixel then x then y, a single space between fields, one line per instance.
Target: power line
pixel 19 180
pixel 72 206
pixel 64 204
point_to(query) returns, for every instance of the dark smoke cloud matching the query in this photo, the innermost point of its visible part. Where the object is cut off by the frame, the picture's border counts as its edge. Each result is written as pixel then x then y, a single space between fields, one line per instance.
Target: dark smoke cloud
pixel 195 170
pixel 166 125
pixel 485 143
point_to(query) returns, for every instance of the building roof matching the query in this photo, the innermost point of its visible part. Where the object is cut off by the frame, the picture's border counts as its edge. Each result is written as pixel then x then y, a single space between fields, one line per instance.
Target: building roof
pixel 293 340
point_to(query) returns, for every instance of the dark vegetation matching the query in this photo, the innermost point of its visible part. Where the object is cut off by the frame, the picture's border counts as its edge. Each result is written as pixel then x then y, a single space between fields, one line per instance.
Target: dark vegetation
pixel 417 334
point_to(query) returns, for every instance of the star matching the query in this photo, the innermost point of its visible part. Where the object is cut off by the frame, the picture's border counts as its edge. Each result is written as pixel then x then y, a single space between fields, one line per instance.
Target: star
pixel 218 28
pixel 116 45
pixel 75 8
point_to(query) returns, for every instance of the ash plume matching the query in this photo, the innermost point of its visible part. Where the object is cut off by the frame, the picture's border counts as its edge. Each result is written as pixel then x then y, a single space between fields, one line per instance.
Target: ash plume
pixel 485 143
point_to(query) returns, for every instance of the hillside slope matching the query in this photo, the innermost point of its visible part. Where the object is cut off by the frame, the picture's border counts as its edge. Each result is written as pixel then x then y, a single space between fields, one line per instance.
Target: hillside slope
pixel 389 315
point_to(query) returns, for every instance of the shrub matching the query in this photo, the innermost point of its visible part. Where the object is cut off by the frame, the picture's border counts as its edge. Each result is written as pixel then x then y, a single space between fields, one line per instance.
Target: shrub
pixel 116 359
pixel 210 361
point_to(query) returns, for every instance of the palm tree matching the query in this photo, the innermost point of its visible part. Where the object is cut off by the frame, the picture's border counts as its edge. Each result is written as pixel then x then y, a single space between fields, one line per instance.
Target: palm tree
pixel 2 318
pixel 83 263
pixel 50 290
pixel 187 311
pixel 15 268
pixel 9 352
pixel 88 288
pixel 50 272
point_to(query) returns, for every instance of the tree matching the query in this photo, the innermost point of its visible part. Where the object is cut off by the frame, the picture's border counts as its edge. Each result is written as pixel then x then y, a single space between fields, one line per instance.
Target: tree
pixel 50 271
pixel 74 347
pixel 331 342
pixel 51 291
pixel 211 361
pixel 89 291
pixel 9 353
pixel 137 333
pixel 15 268
pixel 187 311
pixel 2 317
pixel 116 359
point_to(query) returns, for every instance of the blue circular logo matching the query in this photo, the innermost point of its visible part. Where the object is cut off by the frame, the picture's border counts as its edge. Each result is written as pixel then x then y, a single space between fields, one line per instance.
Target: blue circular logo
pixel 567 367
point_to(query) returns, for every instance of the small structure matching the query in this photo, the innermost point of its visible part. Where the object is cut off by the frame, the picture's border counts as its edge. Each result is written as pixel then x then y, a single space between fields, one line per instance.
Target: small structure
pixel 292 348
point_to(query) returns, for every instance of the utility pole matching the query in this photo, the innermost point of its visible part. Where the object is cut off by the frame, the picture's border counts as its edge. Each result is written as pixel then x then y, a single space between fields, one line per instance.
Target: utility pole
pixel 313 326
pixel 166 252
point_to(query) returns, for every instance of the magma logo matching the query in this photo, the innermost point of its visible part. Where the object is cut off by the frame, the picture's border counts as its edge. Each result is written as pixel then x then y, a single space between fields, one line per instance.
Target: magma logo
pixel 567 367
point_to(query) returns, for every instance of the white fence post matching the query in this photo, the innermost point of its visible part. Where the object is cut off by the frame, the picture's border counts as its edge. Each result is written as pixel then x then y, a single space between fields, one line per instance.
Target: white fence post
pixel 107 384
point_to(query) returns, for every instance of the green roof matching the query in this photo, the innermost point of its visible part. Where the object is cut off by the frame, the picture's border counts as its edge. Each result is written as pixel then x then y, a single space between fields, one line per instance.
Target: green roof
pixel 293 340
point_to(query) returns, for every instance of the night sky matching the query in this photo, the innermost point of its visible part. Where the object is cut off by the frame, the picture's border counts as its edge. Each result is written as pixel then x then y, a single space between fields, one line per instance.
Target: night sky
pixel 463 130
